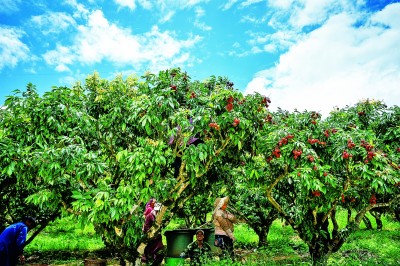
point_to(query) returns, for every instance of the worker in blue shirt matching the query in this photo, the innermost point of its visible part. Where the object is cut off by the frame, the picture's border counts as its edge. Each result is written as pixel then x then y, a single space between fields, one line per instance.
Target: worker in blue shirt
pixel 12 242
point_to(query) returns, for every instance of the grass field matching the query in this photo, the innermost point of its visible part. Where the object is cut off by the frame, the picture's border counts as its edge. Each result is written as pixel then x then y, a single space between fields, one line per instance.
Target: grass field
pixel 66 243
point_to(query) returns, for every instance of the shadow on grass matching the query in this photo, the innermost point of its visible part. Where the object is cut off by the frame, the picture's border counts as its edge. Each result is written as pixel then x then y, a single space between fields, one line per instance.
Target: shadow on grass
pixel 66 257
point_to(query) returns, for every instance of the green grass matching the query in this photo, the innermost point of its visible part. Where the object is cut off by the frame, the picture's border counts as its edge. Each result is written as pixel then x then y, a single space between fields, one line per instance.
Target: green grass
pixel 371 247
pixel 65 234
pixel 64 242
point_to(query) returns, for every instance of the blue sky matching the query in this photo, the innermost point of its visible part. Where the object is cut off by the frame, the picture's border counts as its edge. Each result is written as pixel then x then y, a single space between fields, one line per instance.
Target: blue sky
pixel 303 54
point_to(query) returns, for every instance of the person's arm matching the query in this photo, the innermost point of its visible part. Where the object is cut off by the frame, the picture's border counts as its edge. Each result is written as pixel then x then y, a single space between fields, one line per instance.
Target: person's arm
pixel 209 251
pixel 20 243
pixel 207 247
pixel 231 217
pixel 187 251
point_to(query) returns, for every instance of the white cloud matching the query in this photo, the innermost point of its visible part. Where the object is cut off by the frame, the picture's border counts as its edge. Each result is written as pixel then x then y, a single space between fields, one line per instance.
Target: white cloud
pixel 199 12
pixel 191 3
pixel 126 3
pixel 167 16
pixel 250 2
pixel 298 14
pixel 146 4
pixel 337 64
pixel 101 40
pixel 310 12
pixel 272 42
pixel 163 9
pixel 9 6
pixel 284 4
pixel 80 9
pixel 388 16
pixel 54 22
pixel 199 24
pixel 61 57
pixel 228 4
pixel 203 26
pixel 12 49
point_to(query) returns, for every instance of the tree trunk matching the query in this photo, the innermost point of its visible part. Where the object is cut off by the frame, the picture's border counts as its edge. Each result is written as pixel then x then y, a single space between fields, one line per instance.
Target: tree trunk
pixel 319 246
pixel 319 258
pixel 397 214
pixel 263 237
pixel 377 215
pixel 367 223
pixel 348 215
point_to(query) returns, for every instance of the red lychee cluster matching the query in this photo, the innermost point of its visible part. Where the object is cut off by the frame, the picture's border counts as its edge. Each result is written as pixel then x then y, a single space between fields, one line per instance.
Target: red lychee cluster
pixel 214 125
pixel 266 101
pixel 283 141
pixel 316 193
pixel 316 141
pixel 277 152
pixel 296 154
pixel 370 156
pixel 346 155
pixel 315 115
pixel 328 132
pixel 372 199
pixel 268 118
pixel 236 122
pixel 366 145
pixel 352 199
pixel 350 144
pixel 312 141
pixel 229 105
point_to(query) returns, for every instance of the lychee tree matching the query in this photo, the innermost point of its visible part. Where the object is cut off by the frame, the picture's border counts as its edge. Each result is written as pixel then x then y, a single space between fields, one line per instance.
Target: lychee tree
pixel 313 166
pixel 374 116
pixel 99 150
pixel 248 200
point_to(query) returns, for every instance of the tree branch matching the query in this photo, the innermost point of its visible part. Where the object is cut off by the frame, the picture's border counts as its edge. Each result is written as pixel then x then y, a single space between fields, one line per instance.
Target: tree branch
pixel 271 187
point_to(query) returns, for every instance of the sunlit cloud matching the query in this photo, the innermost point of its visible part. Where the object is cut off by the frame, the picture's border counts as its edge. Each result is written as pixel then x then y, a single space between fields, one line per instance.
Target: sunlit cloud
pixel 229 4
pixel 250 2
pixel 126 3
pixel 321 71
pixel 12 49
pixel 99 40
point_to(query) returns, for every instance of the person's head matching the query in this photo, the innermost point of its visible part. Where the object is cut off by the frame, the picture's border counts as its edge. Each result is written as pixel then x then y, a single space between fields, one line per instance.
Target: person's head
pixel 30 222
pixel 149 206
pixel 152 202
pixel 224 203
pixel 200 235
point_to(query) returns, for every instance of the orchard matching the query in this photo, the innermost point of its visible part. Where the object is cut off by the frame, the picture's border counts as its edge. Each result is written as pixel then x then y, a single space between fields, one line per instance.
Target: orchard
pixel 100 150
